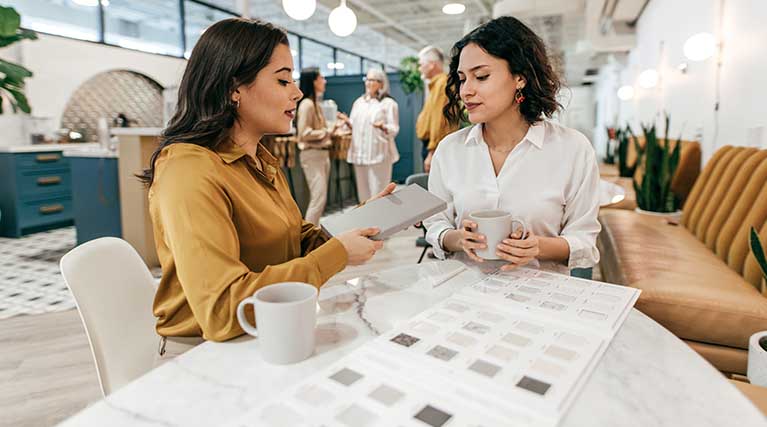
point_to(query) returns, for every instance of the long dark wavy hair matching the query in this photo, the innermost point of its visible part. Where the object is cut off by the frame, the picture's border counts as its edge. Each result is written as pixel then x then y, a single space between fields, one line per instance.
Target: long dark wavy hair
pixel 228 54
pixel 306 85
pixel 509 39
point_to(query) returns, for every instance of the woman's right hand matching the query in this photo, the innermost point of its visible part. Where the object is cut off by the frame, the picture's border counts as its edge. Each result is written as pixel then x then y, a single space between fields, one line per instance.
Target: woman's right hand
pixel 359 247
pixel 469 239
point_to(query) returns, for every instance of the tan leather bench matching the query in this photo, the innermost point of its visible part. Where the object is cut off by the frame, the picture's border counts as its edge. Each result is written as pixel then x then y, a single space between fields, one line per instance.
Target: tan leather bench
pixel 699 279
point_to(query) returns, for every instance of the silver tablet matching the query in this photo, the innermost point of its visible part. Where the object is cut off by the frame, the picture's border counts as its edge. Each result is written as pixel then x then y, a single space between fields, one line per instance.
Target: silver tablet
pixel 390 214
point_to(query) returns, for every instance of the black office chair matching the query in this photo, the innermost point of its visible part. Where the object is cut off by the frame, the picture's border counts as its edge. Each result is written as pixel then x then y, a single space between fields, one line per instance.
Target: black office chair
pixel 421 179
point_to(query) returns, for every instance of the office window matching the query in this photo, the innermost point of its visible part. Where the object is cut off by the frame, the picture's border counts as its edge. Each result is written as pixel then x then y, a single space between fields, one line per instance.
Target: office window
pixel 368 64
pixel 350 64
pixel 148 25
pixel 317 55
pixel 198 19
pixel 293 41
pixel 76 19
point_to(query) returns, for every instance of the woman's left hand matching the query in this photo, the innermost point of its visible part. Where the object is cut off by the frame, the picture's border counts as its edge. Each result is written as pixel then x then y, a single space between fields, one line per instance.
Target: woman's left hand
pixel 518 251
pixel 380 125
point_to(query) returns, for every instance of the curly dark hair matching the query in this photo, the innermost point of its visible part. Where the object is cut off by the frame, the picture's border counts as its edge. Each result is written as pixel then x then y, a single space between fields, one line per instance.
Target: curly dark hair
pixel 509 39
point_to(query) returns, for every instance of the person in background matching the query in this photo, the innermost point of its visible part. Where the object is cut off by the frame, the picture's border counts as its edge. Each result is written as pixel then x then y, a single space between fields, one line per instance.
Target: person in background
pixel 314 142
pixel 374 121
pixel 432 125
pixel 513 159
pixel 223 218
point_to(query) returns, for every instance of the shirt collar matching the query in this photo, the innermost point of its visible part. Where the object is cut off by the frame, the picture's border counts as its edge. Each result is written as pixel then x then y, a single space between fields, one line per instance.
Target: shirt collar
pixel 231 152
pixel 433 81
pixel 534 135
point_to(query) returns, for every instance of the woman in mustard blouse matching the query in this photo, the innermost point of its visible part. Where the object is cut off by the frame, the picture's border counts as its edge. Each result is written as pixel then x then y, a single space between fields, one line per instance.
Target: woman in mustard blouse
pixel 224 221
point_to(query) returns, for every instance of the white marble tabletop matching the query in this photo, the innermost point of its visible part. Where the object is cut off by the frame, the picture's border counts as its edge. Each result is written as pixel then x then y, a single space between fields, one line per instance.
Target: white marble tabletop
pixel 647 376
pixel 94 152
pixel 136 131
pixel 38 148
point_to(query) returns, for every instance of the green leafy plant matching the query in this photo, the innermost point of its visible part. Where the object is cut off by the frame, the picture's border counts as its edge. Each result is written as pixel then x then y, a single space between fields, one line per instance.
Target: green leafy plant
pixel 409 76
pixel 12 75
pixel 758 250
pixel 610 150
pixel 660 162
pixel 625 138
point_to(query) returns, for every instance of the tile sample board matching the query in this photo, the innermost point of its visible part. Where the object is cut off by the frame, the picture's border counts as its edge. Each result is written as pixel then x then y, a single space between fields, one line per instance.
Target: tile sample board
pixel 510 349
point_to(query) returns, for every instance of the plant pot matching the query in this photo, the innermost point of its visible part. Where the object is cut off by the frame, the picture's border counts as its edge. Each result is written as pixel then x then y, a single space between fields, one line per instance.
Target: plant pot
pixel 675 216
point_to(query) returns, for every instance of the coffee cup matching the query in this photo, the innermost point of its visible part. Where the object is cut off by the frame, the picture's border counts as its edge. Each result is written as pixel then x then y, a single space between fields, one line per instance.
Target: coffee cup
pixel 495 225
pixel 286 316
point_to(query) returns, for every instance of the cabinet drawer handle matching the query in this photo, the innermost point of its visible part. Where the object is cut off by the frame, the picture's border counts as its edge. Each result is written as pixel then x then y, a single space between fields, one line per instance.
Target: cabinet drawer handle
pixel 47 158
pixel 48 180
pixel 51 209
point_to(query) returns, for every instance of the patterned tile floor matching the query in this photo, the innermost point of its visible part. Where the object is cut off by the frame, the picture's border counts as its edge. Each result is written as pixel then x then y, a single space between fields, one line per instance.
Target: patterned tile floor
pixel 30 280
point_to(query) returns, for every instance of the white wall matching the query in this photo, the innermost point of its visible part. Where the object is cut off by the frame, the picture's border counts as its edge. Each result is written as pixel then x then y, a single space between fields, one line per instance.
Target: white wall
pixel 61 65
pixel 578 111
pixel 690 98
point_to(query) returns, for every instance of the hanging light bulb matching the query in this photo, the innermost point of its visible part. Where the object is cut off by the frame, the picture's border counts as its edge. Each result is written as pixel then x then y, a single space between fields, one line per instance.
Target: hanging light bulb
pixel 700 47
pixel 648 78
pixel 625 93
pixel 300 10
pixel 342 20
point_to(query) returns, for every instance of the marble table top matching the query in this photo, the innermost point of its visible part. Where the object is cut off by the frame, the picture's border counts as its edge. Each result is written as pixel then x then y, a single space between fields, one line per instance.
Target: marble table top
pixel 647 376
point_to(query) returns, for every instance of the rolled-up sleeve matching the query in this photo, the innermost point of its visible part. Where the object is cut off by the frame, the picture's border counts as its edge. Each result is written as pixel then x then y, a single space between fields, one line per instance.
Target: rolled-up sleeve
pixel 196 223
pixel 444 220
pixel 581 223
pixel 392 119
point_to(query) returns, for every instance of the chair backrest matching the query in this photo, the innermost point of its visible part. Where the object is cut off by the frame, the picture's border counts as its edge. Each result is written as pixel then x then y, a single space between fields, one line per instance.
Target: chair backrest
pixel 114 290
pixel 421 179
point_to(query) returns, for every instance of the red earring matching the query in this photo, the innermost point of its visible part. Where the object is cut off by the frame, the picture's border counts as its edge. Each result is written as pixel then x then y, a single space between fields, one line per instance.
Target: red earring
pixel 519 97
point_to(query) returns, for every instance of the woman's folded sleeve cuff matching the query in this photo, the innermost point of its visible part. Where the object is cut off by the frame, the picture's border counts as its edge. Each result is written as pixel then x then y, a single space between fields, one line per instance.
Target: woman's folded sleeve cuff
pixel 330 258
pixel 433 237
pixel 582 255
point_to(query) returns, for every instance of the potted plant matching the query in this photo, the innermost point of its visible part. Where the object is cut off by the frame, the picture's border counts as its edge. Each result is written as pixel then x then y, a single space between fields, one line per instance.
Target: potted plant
pixel 758 250
pixel 409 76
pixel 658 162
pixel 610 150
pixel 12 75
pixel 625 138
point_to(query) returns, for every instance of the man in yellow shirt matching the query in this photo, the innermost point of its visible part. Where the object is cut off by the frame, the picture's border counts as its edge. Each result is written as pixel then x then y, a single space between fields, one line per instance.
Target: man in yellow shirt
pixel 432 126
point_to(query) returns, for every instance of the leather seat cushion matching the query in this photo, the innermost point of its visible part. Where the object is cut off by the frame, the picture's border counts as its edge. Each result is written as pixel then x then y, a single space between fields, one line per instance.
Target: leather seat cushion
pixel 685 287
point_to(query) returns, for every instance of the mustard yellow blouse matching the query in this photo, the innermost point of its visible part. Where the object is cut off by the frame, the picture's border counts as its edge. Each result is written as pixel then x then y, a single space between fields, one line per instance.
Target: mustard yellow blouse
pixel 223 229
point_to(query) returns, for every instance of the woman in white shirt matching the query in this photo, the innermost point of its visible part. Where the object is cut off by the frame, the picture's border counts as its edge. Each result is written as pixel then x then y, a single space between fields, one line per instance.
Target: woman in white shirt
pixel 374 120
pixel 512 158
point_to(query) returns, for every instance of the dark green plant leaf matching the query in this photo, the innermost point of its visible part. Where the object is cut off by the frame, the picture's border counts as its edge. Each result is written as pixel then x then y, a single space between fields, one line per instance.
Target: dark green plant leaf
pixel 14 71
pixel 758 250
pixel 9 21
pixel 21 35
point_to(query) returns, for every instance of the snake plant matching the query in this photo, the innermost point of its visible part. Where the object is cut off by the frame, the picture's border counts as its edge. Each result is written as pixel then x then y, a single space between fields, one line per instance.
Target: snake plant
pixel 625 138
pixel 659 162
pixel 758 251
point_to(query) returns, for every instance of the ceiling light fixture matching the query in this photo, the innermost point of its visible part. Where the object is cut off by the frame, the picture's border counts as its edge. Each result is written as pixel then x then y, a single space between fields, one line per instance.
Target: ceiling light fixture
pixel 700 47
pixel 648 79
pixel 88 3
pixel 342 20
pixel 625 93
pixel 453 8
pixel 300 10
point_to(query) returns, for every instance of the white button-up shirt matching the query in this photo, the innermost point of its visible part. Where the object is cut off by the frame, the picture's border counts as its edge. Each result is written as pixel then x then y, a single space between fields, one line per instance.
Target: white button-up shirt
pixel 370 145
pixel 550 180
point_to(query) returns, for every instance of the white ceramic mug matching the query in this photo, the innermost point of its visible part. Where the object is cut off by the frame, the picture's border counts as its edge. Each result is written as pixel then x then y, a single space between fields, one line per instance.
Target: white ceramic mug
pixel 496 225
pixel 286 316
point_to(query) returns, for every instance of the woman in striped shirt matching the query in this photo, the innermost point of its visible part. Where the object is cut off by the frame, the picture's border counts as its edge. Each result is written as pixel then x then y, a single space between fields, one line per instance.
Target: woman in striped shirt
pixel 374 120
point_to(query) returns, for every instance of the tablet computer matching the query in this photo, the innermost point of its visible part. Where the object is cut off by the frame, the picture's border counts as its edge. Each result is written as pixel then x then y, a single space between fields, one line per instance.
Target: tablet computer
pixel 390 214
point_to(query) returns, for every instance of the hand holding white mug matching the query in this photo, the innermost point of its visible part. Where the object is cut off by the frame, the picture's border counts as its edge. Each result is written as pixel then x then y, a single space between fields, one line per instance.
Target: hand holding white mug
pixel 470 240
pixel 518 249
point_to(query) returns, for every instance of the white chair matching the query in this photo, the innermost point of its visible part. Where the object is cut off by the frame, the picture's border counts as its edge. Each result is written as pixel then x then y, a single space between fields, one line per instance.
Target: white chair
pixel 114 290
